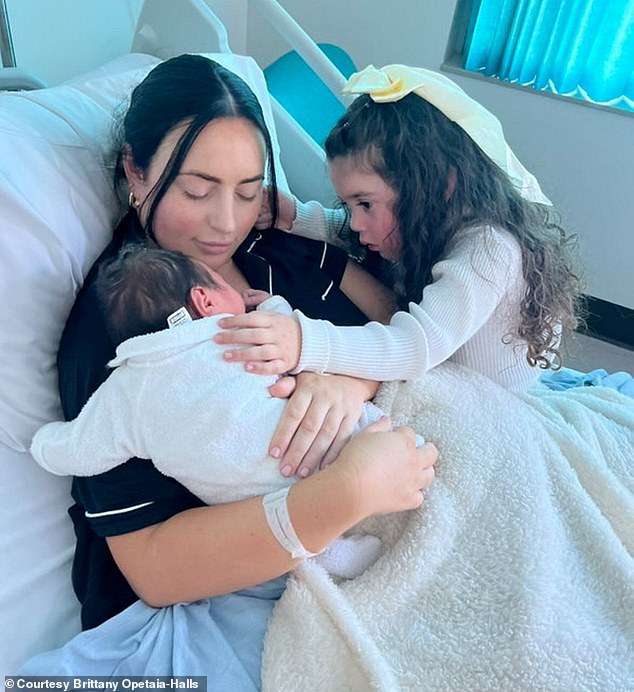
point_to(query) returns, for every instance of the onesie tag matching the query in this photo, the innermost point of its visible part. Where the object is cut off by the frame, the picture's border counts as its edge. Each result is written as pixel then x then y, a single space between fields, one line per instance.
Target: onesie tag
pixel 178 317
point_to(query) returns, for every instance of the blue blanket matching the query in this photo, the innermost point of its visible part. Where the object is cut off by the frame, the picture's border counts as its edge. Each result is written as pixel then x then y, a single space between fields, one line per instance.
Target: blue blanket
pixel 566 378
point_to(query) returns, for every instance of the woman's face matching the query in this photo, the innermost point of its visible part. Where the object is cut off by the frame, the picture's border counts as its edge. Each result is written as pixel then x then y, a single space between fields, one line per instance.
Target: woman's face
pixel 371 204
pixel 215 199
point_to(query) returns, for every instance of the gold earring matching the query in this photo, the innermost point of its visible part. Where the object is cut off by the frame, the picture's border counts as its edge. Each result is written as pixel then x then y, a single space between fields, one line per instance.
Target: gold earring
pixel 133 201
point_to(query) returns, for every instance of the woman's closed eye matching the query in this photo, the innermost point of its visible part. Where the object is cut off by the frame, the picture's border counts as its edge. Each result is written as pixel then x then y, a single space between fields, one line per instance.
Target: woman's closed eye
pixel 249 192
pixel 195 195
pixel 247 198
pixel 197 189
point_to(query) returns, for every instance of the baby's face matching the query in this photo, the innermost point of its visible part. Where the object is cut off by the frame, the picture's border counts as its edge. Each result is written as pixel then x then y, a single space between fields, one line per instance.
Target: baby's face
pixel 227 298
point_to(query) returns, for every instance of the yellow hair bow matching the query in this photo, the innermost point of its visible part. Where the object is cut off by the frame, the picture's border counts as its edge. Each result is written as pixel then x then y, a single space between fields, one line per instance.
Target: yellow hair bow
pixel 394 82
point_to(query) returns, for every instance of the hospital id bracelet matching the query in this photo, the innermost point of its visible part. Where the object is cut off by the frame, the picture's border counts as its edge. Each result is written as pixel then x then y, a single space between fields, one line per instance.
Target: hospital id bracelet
pixel 279 521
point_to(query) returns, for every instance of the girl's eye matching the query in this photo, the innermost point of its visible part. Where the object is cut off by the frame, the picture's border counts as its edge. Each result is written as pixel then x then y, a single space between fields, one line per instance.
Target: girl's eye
pixel 364 205
pixel 247 198
pixel 192 195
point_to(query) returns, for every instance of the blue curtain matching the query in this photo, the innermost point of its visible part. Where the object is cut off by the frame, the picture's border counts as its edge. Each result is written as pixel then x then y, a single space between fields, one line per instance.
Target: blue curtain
pixel 580 48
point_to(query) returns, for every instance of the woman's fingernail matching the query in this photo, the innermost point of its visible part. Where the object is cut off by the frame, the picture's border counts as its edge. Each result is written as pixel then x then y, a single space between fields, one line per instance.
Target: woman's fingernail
pixel 249 367
pixel 227 355
pixel 275 452
pixel 286 471
pixel 303 472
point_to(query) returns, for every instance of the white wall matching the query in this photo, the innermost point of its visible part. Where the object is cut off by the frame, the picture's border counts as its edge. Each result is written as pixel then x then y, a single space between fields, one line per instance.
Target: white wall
pixel 56 40
pixel 59 39
pixel 583 156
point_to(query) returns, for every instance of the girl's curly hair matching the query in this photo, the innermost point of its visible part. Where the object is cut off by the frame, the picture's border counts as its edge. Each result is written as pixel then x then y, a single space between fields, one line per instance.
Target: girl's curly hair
pixel 417 151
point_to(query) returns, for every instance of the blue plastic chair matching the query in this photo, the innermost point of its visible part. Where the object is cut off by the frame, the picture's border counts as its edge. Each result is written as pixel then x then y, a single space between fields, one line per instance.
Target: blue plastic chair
pixel 303 94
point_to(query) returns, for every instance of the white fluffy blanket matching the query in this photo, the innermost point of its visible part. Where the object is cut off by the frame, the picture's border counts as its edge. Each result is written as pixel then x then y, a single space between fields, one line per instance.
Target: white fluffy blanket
pixel 517 573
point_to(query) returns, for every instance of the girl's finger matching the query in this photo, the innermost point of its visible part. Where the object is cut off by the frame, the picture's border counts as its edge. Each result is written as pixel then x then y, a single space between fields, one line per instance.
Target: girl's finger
pixel 246 320
pixel 257 336
pixel 252 355
pixel 269 367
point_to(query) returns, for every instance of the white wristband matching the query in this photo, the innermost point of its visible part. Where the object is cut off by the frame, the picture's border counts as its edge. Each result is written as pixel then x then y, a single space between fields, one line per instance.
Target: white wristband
pixel 279 521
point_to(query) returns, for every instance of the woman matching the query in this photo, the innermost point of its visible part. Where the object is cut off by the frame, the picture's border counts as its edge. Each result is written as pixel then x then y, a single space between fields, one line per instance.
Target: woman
pixel 195 157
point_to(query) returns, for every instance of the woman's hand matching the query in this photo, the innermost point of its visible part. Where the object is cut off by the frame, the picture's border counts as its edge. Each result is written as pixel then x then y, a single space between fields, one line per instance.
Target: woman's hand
pixel 385 469
pixel 286 211
pixel 274 341
pixel 318 420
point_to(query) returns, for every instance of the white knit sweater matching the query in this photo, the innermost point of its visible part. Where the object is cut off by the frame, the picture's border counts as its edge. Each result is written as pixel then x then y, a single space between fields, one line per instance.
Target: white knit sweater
pixel 466 315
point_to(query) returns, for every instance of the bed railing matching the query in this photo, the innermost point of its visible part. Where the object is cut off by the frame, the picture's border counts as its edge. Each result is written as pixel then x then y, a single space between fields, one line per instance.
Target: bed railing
pixel 304 161
pixel 7 54
pixel 165 29
pixel 11 77
pixel 300 41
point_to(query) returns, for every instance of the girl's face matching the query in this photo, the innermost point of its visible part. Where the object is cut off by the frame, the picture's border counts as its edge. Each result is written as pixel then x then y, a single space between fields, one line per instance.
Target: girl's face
pixel 371 204
pixel 215 199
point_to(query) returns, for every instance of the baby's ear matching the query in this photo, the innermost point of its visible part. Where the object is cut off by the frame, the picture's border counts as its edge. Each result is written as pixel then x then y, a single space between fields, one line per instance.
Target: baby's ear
pixel 202 301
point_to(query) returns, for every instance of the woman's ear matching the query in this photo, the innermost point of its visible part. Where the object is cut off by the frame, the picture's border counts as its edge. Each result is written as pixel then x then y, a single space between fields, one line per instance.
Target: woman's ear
pixel 134 175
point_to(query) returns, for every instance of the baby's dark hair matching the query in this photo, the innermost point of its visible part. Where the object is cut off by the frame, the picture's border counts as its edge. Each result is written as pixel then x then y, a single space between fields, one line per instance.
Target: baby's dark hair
pixel 416 149
pixel 139 288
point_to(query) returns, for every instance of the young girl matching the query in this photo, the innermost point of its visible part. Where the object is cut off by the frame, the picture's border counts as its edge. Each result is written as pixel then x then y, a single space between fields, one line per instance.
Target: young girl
pixel 482 270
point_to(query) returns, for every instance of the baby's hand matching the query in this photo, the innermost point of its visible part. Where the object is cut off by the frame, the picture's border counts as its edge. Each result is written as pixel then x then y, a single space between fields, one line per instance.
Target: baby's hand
pixel 252 298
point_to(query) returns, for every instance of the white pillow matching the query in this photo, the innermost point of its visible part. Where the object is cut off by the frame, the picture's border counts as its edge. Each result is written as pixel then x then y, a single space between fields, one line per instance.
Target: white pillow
pixel 57 214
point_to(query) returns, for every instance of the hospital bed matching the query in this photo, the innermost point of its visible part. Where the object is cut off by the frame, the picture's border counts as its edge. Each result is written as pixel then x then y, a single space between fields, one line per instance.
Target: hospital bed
pixel 58 210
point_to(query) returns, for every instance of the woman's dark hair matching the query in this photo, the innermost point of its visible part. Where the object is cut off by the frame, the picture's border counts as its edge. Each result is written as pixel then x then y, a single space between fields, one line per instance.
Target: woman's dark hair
pixel 191 90
pixel 140 287
pixel 417 150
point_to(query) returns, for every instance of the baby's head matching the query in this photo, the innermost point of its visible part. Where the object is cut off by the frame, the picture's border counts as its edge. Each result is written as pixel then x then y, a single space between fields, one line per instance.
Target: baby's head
pixel 142 286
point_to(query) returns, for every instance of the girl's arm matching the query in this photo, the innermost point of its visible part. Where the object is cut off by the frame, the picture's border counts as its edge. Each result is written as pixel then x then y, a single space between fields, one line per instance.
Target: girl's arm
pixel 307 219
pixel 207 551
pixel 467 286
pixel 313 220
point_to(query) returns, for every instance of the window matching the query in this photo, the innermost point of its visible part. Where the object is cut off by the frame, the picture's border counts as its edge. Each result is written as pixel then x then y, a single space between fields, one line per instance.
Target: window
pixel 578 48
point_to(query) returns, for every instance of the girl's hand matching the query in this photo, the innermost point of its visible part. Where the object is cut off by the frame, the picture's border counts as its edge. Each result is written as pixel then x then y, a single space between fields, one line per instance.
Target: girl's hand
pixel 385 469
pixel 274 341
pixel 286 211
pixel 318 420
